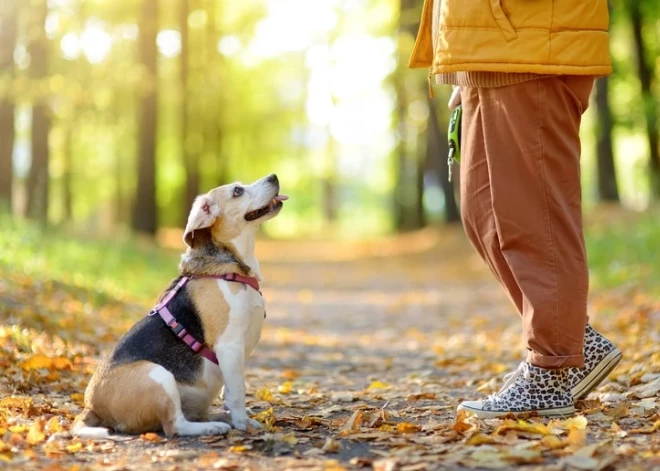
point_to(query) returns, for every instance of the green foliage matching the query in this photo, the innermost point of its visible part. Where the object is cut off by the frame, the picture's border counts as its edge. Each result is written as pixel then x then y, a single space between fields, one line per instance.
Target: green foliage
pixel 117 267
pixel 623 252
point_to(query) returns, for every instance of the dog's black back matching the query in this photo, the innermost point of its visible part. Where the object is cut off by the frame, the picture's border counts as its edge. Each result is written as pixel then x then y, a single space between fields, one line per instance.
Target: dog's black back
pixel 152 340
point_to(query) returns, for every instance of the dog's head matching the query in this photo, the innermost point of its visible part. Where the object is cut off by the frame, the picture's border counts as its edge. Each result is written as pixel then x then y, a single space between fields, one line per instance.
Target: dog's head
pixel 231 209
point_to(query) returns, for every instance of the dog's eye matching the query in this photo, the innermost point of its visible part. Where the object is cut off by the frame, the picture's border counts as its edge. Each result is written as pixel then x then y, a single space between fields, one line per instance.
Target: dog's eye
pixel 238 191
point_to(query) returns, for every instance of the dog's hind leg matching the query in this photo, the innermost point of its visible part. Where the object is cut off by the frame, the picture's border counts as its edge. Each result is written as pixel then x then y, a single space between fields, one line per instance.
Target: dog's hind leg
pixel 172 419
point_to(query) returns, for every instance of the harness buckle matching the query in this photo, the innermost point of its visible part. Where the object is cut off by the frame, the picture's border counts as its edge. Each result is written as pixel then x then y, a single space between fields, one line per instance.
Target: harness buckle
pixel 175 326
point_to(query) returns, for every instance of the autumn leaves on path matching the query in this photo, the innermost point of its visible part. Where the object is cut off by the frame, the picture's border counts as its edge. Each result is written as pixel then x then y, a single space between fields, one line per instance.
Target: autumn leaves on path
pixel 367 350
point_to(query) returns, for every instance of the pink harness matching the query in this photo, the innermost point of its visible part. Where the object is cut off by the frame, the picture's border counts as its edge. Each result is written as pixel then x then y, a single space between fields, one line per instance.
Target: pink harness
pixel 178 329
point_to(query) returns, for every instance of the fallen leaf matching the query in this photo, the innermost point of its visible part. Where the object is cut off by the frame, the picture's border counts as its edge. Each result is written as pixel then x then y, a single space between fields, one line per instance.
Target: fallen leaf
pixel 74 447
pixel 285 388
pixel 239 448
pixel 264 394
pixel 523 426
pixel 417 397
pixel 649 390
pixel 36 433
pixel 579 422
pixel 576 437
pixel 406 427
pixel 151 437
pixel 553 442
pixel 353 423
pixel 53 425
pixel 378 385
pixel 331 445
pixel 78 398
pixel 647 430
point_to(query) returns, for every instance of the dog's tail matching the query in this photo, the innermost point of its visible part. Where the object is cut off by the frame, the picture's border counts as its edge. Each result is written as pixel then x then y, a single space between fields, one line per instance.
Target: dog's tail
pixel 87 424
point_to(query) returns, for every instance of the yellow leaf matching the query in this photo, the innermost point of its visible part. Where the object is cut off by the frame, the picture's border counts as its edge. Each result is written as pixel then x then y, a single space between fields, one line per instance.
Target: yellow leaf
pixel 523 426
pixel 576 437
pixel 62 363
pixel 239 448
pixel 36 433
pixel 285 388
pixel 78 398
pixel 6 456
pixel 266 418
pixel 479 438
pixel 378 385
pixel 53 425
pixel 578 422
pixel 37 362
pixel 19 428
pixel 407 427
pixel 553 442
pixel 290 439
pixel 264 394
pixel 151 437
pixel 74 447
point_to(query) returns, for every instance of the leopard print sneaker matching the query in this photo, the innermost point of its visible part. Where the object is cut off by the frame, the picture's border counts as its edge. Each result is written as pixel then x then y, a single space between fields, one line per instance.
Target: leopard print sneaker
pixel 600 357
pixel 529 389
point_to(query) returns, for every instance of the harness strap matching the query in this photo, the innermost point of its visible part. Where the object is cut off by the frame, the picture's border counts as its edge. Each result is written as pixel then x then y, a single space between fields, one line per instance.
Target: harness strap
pixel 178 329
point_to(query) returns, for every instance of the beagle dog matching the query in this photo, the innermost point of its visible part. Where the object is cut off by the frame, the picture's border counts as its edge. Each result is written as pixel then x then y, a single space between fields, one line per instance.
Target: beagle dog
pixel 165 372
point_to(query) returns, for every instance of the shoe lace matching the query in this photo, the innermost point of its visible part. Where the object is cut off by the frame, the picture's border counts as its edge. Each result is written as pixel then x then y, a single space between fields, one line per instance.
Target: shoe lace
pixel 510 379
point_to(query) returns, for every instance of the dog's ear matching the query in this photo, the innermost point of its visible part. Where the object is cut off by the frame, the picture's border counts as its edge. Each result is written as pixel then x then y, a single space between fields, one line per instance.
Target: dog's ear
pixel 203 214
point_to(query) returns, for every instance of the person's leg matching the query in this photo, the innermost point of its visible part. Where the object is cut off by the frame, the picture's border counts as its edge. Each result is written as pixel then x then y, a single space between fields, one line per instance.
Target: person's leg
pixel 533 152
pixel 520 202
pixel 476 204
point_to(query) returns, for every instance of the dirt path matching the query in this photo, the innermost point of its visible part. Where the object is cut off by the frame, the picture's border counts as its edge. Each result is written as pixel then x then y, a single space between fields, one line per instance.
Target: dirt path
pixel 362 363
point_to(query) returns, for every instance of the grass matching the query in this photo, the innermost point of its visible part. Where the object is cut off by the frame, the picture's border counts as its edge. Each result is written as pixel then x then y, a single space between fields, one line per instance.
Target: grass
pixel 624 251
pixel 119 268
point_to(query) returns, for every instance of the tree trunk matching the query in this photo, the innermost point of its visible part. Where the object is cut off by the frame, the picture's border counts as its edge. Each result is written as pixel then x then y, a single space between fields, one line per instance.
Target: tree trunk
pixel 409 190
pixel 37 183
pixel 67 177
pixel 145 211
pixel 645 73
pixel 436 156
pixel 190 156
pixel 607 187
pixel 8 33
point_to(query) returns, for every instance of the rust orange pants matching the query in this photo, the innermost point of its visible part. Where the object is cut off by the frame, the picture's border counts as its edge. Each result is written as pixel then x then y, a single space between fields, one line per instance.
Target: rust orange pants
pixel 521 206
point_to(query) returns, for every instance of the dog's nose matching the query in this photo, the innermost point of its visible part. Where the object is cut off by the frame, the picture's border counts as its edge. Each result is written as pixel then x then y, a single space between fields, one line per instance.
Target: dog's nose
pixel 273 179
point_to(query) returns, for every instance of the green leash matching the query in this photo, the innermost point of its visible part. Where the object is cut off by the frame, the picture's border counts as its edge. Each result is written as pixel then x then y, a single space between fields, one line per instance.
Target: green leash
pixel 454 139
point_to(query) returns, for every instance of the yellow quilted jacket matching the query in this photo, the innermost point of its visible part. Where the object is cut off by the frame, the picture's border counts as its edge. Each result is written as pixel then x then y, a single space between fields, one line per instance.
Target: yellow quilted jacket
pixel 534 36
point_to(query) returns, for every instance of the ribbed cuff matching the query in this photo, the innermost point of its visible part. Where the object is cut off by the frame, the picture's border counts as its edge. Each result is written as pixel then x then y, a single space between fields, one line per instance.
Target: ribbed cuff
pixel 485 79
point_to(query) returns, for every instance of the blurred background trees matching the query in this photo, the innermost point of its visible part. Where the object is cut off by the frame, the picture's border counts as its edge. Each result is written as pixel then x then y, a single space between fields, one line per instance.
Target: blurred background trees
pixel 114 115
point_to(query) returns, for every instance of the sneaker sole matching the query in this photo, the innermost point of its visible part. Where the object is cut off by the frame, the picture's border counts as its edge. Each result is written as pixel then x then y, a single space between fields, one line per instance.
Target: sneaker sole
pixel 597 375
pixel 488 414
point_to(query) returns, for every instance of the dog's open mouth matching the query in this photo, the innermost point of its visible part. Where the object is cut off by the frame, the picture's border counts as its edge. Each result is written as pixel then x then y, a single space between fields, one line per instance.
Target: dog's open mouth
pixel 274 205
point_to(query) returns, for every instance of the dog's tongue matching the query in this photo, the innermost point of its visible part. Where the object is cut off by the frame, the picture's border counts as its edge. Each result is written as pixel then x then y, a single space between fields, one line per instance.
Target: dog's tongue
pixel 281 198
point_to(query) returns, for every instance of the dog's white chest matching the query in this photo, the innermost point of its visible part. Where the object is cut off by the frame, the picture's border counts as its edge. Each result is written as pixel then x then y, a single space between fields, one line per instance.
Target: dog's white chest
pixel 245 317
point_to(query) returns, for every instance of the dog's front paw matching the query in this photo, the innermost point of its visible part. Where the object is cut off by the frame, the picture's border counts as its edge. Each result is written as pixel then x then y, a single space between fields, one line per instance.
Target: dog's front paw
pixel 216 428
pixel 202 428
pixel 246 424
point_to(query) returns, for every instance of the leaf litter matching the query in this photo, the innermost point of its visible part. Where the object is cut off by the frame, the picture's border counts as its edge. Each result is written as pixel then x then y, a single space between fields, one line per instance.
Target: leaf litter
pixel 361 365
